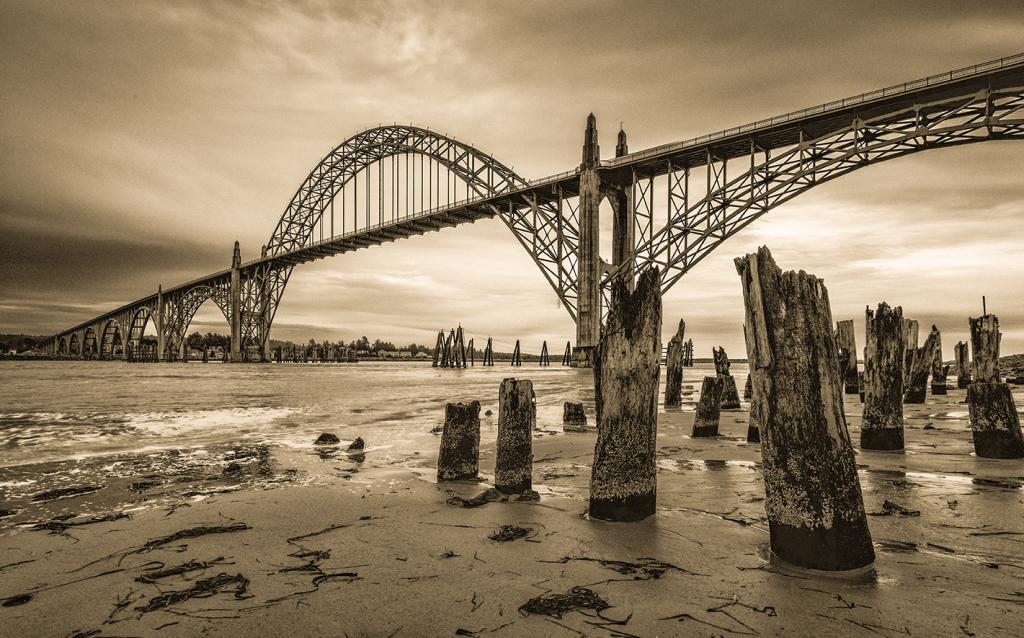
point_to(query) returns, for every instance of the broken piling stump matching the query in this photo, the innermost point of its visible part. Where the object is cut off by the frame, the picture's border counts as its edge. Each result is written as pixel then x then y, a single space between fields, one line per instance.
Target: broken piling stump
pixel 674 368
pixel 940 370
pixel 847 355
pixel 813 499
pixel 623 480
pixel 574 419
pixel 910 329
pixel 917 380
pixel 709 407
pixel 995 425
pixel 459 456
pixel 513 463
pixel 730 396
pixel 963 365
pixel 882 425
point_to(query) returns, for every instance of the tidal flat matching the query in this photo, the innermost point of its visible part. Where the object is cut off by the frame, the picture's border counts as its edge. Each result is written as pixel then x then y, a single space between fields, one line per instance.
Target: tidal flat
pixel 184 500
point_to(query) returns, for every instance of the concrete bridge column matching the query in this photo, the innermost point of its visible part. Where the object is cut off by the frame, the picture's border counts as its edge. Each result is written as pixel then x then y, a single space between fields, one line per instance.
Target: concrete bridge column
pixel 588 322
pixel 236 304
pixel 161 342
pixel 623 226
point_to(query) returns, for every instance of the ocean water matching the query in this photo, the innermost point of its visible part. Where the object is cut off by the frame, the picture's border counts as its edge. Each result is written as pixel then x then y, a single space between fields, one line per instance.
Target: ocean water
pixel 65 423
pixel 57 411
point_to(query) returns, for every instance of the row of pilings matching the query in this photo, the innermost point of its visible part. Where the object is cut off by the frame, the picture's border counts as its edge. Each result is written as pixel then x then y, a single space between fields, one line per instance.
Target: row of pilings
pixel 453 351
pixel 800 368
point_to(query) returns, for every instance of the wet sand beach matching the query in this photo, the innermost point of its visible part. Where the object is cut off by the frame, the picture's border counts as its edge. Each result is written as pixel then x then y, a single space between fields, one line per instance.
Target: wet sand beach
pixel 262 536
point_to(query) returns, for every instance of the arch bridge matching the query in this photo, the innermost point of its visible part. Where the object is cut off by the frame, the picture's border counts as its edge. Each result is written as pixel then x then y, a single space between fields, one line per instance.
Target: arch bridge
pixel 671 205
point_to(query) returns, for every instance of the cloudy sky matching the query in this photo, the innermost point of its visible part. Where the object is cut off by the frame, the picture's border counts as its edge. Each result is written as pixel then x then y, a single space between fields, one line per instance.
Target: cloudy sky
pixel 140 139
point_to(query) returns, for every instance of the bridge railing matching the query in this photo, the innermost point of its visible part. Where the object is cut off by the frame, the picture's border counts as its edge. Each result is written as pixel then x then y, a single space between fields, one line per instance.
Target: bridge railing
pixel 835 105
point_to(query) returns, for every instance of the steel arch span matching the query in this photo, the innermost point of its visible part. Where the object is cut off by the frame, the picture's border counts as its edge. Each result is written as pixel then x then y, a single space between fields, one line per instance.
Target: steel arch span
pixel 551 242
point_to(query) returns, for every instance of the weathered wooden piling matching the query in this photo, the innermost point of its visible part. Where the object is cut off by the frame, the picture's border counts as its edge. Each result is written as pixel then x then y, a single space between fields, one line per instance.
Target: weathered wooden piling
pixel 910 329
pixel 709 407
pixel 688 359
pixel 459 456
pixel 940 370
pixel 730 396
pixel 517 357
pixel 813 499
pixel 513 463
pixel 847 342
pixel 882 425
pixel 623 480
pixel 917 380
pixel 674 368
pixel 439 349
pixel 962 358
pixel 574 419
pixel 567 357
pixel 748 388
pixel 472 352
pixel 995 424
pixel 860 385
pixel 489 353
pixel 545 360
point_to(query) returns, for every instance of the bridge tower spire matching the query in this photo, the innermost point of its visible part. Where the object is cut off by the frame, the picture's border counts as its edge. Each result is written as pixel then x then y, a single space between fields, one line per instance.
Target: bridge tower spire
pixel 588 322
pixel 236 304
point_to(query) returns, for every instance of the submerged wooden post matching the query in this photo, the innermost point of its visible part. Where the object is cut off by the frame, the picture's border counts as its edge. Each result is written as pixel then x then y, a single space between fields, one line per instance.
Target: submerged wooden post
pixel 882 425
pixel 623 481
pixel 674 368
pixel 459 456
pixel 940 370
pixel 709 407
pixel 730 396
pixel 962 359
pixel 574 419
pixel 813 499
pixel 513 462
pixel 995 424
pixel 917 380
pixel 847 348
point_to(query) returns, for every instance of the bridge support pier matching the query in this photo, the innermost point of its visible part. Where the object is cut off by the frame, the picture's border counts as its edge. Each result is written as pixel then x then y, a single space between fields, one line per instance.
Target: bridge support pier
pixel 588 322
pixel 236 305
pixel 591 266
pixel 161 339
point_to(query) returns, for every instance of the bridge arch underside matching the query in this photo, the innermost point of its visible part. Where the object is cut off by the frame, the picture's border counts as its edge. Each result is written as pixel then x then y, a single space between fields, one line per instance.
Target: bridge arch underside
pixel 112 341
pixel 62 345
pixel 182 310
pixel 140 319
pixel 770 179
pixel 75 345
pixel 90 344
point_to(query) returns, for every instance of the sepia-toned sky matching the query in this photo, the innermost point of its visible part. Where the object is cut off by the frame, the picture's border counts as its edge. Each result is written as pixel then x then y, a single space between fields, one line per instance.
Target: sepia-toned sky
pixel 140 139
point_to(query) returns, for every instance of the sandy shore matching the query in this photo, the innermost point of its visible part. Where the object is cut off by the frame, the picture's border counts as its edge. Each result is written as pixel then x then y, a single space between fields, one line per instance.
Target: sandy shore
pixel 333 544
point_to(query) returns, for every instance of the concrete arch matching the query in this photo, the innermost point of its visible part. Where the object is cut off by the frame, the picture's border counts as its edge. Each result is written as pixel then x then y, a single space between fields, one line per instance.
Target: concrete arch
pixel 75 345
pixel 112 340
pixel 62 345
